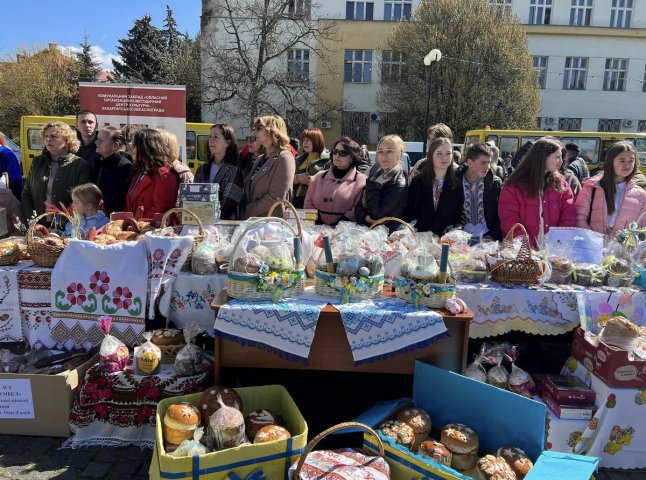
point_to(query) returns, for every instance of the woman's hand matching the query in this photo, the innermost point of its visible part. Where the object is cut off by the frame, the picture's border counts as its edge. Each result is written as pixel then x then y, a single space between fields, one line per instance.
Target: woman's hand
pixel 303 178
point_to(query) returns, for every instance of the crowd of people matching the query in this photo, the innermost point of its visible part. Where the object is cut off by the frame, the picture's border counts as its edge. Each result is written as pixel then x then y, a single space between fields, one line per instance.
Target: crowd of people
pixel 546 184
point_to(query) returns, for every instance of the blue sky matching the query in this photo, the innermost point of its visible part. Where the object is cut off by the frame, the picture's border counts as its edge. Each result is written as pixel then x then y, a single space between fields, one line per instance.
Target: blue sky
pixel 36 23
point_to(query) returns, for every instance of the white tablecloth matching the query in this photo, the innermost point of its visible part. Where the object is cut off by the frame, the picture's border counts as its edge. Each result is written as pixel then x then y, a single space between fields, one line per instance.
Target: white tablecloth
pixel 191 299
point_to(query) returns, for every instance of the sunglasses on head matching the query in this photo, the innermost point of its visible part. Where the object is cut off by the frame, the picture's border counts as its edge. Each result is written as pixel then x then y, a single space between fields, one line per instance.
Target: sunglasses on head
pixel 340 153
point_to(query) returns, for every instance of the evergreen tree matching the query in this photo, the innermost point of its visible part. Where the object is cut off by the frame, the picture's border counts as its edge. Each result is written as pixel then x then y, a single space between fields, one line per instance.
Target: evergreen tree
pixel 89 68
pixel 170 32
pixel 143 54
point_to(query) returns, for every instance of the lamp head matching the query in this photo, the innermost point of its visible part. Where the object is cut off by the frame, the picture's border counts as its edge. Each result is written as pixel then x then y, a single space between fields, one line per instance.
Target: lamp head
pixel 433 56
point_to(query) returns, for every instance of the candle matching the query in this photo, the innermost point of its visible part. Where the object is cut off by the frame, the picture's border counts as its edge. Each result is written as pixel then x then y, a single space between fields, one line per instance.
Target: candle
pixel 298 252
pixel 329 261
pixel 443 276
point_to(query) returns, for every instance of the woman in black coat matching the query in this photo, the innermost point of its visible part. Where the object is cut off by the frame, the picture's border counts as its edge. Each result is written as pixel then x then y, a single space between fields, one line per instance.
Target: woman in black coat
pixel 385 191
pixel 112 171
pixel 435 196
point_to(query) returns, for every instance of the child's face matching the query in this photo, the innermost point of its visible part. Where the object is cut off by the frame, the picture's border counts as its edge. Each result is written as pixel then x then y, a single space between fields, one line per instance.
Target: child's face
pixel 78 205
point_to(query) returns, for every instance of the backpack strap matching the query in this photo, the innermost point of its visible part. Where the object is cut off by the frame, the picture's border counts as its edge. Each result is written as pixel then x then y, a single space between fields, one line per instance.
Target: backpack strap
pixel 594 190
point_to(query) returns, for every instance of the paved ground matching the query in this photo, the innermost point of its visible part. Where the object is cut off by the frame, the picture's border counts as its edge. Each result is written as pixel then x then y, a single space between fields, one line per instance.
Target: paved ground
pixel 39 458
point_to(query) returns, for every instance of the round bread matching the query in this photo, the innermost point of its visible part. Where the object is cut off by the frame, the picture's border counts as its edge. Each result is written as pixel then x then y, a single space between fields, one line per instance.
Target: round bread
pixel 256 420
pixel 459 438
pixel 464 461
pixel 494 468
pixel 436 451
pixel 180 422
pixel 166 337
pixel 208 402
pixel 415 418
pixel 271 433
pixel 517 460
pixel 398 431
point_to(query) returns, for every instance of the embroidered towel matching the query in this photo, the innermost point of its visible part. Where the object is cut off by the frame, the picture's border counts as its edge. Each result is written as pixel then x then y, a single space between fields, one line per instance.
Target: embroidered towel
pixel 10 322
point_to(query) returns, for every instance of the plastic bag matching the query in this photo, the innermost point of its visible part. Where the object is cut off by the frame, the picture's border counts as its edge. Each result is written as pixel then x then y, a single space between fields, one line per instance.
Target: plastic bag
pixel 521 382
pixel 113 353
pixel 188 448
pixel 203 258
pixel 420 264
pixel 189 358
pixel 223 256
pixel 588 274
pixel 147 357
pixel 226 427
pixel 9 362
pixel 476 370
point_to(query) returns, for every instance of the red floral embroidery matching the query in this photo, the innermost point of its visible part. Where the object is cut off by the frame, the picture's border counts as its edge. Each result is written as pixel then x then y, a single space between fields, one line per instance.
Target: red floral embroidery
pixel 99 282
pixel 144 414
pixel 175 254
pixel 158 254
pixel 122 297
pixel 76 293
pixel 102 411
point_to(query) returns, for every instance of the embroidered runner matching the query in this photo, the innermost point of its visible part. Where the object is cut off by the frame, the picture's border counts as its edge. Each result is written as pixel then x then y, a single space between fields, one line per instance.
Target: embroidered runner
pixel 380 328
pixel 10 321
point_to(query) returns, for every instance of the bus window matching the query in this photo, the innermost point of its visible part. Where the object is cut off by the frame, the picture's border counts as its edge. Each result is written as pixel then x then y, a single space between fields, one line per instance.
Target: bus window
pixel 508 146
pixel 202 148
pixel 35 139
pixel 589 147
pixel 472 139
pixel 190 145
pixel 492 137
pixel 640 145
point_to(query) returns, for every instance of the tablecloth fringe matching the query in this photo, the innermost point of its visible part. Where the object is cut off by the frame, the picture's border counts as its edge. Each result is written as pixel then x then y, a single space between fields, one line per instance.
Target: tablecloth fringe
pixel 106 442
pixel 261 346
pixel 409 348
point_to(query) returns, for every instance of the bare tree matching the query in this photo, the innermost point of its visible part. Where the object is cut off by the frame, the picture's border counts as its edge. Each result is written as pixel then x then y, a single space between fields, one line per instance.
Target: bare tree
pixel 485 76
pixel 258 61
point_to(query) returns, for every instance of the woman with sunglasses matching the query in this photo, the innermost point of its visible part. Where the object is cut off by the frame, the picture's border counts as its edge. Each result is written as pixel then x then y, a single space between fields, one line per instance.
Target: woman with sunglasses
pixel 336 191
pixel 387 185
pixel 222 168
pixel 315 158
pixel 272 175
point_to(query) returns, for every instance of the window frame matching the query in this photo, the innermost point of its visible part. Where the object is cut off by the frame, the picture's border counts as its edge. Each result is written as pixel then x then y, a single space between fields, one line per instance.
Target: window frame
pixel 367 11
pixel 615 75
pixel 501 7
pixel 572 74
pixel 540 12
pixel 389 63
pixel 366 66
pixel 621 12
pixel 391 13
pixel 302 76
pixel 581 13
pixel 542 69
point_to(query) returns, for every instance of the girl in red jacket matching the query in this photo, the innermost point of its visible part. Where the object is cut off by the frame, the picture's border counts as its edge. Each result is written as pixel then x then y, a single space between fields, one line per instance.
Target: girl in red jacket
pixel 611 200
pixel 536 195
pixel 154 183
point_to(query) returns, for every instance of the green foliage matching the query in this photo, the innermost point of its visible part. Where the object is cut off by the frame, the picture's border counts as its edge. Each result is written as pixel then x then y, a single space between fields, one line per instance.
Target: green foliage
pixel 89 68
pixel 485 76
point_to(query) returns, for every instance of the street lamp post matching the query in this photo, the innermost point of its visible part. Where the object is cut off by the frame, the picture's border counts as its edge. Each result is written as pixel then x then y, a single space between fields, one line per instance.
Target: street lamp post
pixel 433 56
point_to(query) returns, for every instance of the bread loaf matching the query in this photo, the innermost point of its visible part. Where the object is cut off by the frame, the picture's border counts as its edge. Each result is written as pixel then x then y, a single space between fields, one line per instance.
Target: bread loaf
pixel 180 422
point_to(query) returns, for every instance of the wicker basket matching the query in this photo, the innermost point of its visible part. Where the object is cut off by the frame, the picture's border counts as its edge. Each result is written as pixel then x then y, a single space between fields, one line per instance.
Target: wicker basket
pixel 350 470
pixel 43 254
pixel 245 286
pixel 523 269
pixel 324 282
pixel 197 239
pixel 169 352
pixel 383 220
pixel 432 295
pixel 10 255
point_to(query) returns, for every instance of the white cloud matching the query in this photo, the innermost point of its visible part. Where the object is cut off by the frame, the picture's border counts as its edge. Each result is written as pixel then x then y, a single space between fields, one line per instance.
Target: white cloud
pixel 104 58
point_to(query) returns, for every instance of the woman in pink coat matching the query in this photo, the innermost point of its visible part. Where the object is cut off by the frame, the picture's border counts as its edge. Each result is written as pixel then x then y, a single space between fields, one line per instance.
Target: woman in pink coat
pixel 536 195
pixel 611 200
pixel 336 191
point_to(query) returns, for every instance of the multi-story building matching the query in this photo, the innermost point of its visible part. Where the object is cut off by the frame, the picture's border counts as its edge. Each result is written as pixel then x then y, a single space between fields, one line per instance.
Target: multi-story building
pixel 591 55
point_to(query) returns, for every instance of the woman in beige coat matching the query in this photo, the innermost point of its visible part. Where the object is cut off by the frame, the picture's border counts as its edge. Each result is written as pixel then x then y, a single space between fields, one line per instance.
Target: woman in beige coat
pixel 271 177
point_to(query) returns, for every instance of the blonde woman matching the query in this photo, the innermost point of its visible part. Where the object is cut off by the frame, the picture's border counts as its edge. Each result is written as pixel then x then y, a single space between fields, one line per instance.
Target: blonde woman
pixel 387 185
pixel 171 147
pixel 56 172
pixel 272 175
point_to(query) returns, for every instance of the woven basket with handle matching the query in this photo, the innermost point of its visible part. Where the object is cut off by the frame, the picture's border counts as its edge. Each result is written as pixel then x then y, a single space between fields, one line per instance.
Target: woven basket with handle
pixel 177 229
pixel 521 270
pixel 10 255
pixel 41 253
pixel 384 220
pixel 245 286
pixel 318 464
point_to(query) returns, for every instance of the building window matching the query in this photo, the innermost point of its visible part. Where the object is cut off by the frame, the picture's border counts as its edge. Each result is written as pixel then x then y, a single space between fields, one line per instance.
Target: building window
pixel 298 65
pixel 570 124
pixel 609 125
pixel 614 76
pixel 297 121
pixel 540 12
pixel 540 64
pixel 359 10
pixel 621 13
pixel 500 7
pixel 392 64
pixel 356 125
pixel 397 10
pixel 641 126
pixel 581 13
pixel 300 8
pixel 576 70
pixel 357 66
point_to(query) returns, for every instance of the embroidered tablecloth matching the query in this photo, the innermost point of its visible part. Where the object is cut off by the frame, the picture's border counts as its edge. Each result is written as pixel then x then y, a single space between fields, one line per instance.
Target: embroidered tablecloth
pixel 118 409
pixel 382 327
pixel 10 318
pixel 191 299
pixel 286 328
pixel 617 432
pixel 498 310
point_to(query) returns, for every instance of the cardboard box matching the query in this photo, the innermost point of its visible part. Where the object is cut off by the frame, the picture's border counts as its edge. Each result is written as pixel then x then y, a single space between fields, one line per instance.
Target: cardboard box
pixel 39 404
pixel 196 188
pixel 199 197
pixel 207 212
pixel 612 365
pixel 498 416
pixel 263 461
